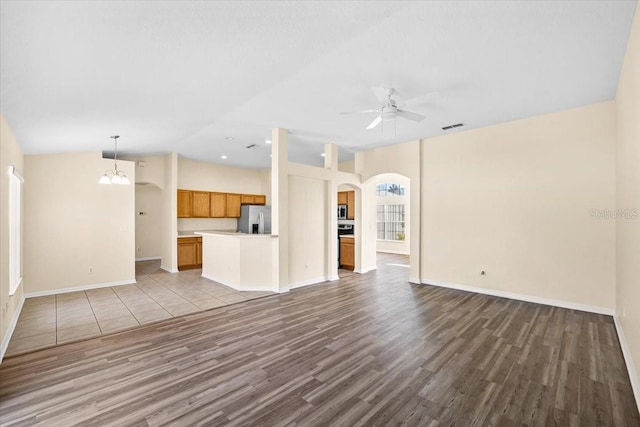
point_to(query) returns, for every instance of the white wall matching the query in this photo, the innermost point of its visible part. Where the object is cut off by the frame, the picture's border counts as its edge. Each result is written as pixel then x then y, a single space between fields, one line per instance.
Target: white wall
pixel 72 223
pixel 515 200
pixel 10 155
pixel 169 214
pixel 307 230
pixel 628 198
pixel 149 223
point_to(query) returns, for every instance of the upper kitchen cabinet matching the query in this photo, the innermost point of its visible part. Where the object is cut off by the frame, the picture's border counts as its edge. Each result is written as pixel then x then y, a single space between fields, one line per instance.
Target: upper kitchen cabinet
pixel 185 203
pixel 342 197
pixel 348 198
pixel 259 199
pixel 233 205
pixel 247 199
pixel 200 207
pixel 218 205
pixel 351 204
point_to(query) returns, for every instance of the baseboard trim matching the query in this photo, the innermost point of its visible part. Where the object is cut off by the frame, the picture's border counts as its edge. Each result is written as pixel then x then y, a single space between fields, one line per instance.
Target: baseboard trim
pixel 233 286
pixel 631 369
pixel 149 258
pixel 522 297
pixel 12 327
pixel 80 288
pixel 168 270
pixel 366 269
pixel 334 278
pixel 308 282
pixel 391 251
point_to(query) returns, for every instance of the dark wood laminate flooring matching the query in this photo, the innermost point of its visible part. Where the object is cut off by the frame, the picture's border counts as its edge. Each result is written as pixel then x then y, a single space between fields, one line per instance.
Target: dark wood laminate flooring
pixel 368 350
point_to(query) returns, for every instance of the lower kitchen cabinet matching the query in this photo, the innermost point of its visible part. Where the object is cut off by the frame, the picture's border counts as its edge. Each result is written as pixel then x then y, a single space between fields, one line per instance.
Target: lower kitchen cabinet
pixel 189 252
pixel 347 253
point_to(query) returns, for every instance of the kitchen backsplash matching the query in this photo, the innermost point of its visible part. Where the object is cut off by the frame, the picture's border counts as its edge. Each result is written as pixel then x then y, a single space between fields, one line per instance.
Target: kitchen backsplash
pixel 194 224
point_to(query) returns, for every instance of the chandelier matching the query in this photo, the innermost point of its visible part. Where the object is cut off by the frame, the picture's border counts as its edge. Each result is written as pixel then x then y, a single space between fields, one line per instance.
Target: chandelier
pixel 114 176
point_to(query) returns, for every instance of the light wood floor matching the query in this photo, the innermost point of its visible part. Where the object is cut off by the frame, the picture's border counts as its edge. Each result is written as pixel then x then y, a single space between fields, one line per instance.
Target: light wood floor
pixel 367 350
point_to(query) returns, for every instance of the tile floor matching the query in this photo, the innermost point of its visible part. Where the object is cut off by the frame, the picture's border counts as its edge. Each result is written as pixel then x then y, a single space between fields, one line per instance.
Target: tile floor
pixel 157 295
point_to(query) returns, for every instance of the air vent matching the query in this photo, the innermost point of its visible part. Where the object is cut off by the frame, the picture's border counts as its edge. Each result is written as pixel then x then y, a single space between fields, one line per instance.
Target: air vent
pixel 457 125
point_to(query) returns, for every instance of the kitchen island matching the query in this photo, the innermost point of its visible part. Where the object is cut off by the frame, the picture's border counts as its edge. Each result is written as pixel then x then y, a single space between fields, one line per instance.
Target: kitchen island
pixel 241 261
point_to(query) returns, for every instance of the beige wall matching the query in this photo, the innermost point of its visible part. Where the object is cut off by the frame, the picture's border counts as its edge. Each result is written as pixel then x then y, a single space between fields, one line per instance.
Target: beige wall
pixel 628 197
pixel 349 166
pixel 10 155
pixel 516 200
pixel 149 169
pixel 194 175
pixel 148 214
pixel 307 230
pixel 73 223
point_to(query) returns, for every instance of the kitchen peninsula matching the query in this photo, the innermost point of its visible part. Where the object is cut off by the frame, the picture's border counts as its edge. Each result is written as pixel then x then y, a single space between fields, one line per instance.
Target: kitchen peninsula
pixel 241 261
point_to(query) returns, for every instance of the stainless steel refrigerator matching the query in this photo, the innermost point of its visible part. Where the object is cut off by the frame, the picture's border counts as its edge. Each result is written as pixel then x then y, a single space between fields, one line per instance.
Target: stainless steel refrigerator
pixel 255 219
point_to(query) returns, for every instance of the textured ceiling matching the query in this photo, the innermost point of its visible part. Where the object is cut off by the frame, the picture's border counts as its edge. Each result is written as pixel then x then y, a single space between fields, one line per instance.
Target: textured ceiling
pixel 183 76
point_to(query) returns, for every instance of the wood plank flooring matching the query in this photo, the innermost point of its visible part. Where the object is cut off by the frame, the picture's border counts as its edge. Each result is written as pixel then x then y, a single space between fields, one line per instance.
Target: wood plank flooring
pixel 367 350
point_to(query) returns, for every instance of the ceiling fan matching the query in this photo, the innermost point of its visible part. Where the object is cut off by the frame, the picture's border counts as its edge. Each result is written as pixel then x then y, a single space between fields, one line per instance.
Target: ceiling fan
pixel 390 109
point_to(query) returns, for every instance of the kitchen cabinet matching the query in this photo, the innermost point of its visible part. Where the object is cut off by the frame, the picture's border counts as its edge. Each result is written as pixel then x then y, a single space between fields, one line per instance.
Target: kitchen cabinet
pixel 260 199
pixel 342 197
pixel 348 198
pixel 347 253
pixel 189 252
pixel 351 204
pixel 233 205
pixel 217 205
pixel 247 199
pixel 200 204
pixel 185 202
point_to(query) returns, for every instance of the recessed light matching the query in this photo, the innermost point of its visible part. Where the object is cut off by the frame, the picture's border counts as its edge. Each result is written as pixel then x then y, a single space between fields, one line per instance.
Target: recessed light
pixel 223 157
pixel 322 154
pixel 268 141
pixel 229 138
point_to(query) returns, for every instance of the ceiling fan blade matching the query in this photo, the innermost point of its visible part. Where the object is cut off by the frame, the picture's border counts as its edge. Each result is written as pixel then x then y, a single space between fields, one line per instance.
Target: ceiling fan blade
pixel 361 111
pixel 411 116
pixel 375 123
pixel 431 96
pixel 382 95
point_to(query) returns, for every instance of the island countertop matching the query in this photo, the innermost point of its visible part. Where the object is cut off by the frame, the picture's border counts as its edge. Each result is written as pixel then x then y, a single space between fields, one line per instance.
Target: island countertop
pixel 232 234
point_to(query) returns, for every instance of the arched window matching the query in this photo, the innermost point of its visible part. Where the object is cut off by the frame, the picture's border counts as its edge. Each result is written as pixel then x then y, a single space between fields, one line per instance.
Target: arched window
pixel 390 212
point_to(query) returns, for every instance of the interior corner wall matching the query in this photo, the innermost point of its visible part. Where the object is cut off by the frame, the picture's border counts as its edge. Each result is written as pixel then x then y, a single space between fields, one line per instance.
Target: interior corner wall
pixel 308 230
pixel 523 201
pixel 170 214
pixel 10 155
pixel 402 159
pixel 76 232
pixel 628 202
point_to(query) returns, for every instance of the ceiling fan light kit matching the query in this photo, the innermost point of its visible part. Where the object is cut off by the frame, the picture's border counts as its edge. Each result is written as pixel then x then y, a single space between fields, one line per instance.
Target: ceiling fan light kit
pixel 390 110
pixel 114 176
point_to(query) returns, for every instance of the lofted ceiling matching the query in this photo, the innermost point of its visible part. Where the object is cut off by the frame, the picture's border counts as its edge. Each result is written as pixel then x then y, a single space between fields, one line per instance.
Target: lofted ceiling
pixel 187 76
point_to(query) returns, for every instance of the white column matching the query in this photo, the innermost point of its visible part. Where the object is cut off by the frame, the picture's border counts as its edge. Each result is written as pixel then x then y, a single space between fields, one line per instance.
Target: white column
pixel 331 163
pixel 280 206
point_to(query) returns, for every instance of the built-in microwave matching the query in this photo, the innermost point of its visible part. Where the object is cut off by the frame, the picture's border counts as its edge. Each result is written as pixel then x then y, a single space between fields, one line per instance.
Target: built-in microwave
pixel 342 211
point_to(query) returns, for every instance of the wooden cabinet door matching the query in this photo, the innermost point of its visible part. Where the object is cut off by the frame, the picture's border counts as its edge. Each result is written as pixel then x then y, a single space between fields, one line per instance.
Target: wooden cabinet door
pixel 260 199
pixel 247 199
pixel 218 205
pixel 199 252
pixel 351 204
pixel 200 202
pixel 233 205
pixel 342 197
pixel 187 253
pixel 185 202
pixel 347 255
